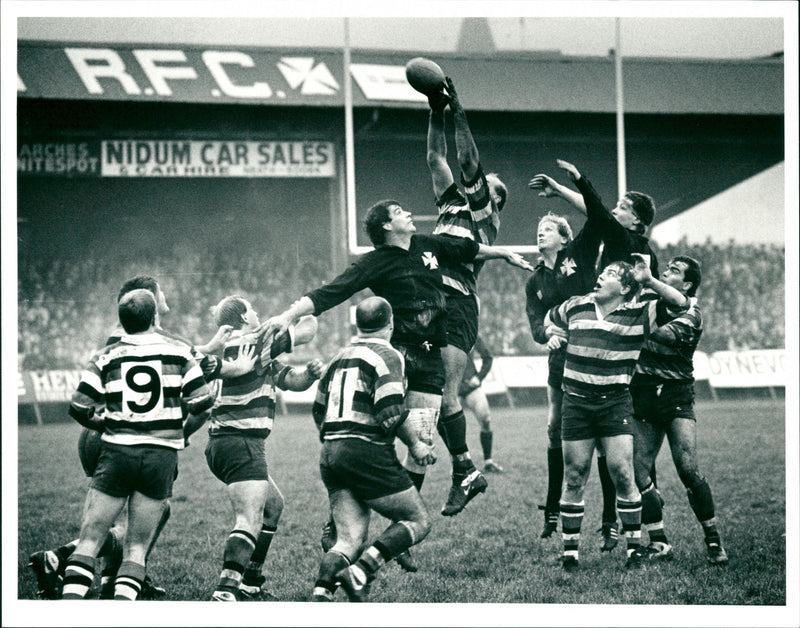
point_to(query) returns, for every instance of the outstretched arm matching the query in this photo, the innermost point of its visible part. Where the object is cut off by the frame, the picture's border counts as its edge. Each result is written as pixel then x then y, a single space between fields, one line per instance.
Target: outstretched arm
pixel 486 252
pixel 642 274
pixel 299 379
pixel 468 158
pixel 437 145
pixel 550 188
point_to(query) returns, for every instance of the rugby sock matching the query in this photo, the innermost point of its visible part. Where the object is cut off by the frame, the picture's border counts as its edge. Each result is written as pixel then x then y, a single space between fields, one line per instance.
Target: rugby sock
pixel 571 520
pixel 374 557
pixel 609 492
pixel 652 518
pixel 630 513
pixel 486 444
pixel 702 504
pixel 112 550
pixel 332 563
pixel 394 540
pixel 78 577
pixel 455 429
pixel 161 523
pixel 129 581
pixel 555 478
pixel 238 550
pixel 256 564
pixel 653 477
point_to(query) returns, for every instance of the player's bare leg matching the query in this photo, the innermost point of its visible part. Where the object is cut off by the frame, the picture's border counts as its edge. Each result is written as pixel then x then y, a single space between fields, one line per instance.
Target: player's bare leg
pixel 477 404
pixel 100 511
pixel 351 518
pixel 248 499
pixel 144 514
pixel 648 439
pixel 682 435
pixel 410 525
pixel 467 480
pixel 253 579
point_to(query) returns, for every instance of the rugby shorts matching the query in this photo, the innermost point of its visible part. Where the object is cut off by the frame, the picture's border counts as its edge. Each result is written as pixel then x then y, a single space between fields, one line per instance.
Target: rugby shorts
pixel 660 404
pixel 583 418
pixel 462 320
pixel 424 368
pixel 237 458
pixel 367 470
pixel 125 469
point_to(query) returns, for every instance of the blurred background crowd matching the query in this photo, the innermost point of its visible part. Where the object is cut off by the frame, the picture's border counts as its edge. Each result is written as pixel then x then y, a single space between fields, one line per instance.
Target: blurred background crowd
pixel 67 307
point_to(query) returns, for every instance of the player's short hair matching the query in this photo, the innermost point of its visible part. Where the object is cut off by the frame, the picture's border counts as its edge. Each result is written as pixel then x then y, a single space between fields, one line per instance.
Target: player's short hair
pixel 644 207
pixel 500 188
pixel 564 230
pixel 137 310
pixel 230 311
pixel 377 216
pixel 139 282
pixel 693 274
pixel 626 278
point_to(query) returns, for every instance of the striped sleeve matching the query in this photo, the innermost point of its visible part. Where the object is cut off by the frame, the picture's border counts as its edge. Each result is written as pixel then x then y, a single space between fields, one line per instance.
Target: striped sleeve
pixel 389 394
pixel 194 389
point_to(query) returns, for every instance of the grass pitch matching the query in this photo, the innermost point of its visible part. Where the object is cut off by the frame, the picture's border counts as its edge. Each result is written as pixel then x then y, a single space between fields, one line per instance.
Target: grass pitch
pixel 490 553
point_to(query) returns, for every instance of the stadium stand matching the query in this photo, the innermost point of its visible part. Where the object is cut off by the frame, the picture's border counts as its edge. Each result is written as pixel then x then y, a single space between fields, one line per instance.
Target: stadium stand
pixel 66 307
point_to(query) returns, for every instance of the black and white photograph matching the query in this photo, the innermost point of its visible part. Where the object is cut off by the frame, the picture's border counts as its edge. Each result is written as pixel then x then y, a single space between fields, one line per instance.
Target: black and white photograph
pixel 441 314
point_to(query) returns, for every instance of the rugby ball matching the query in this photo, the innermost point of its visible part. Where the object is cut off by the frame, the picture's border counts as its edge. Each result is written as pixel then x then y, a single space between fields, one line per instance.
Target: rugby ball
pixel 424 75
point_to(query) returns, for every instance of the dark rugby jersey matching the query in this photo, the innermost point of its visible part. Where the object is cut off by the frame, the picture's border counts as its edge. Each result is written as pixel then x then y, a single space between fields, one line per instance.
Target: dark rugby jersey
pixel 246 403
pixel 411 281
pixel 475 217
pixel 618 242
pixel 573 275
pixel 139 383
pixel 360 394
pixel 602 350
pixel 667 354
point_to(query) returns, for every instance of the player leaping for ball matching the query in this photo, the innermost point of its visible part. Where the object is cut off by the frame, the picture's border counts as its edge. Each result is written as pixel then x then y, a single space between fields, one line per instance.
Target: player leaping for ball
pixel 475 215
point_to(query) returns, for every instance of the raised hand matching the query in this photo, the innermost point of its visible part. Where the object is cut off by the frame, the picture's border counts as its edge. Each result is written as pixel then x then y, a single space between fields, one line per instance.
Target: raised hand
pixel 544 183
pixel 570 169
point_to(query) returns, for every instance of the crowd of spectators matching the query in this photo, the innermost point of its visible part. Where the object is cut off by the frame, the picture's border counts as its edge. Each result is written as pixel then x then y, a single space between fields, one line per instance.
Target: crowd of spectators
pixel 68 307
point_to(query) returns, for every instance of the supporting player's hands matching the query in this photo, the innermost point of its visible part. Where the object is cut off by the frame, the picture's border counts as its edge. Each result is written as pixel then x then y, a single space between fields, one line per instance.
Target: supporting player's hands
pixel 244 362
pixel 569 168
pixel 274 327
pixel 556 337
pixel 515 259
pixel 547 186
pixel 216 344
pixel 422 453
pixel 437 101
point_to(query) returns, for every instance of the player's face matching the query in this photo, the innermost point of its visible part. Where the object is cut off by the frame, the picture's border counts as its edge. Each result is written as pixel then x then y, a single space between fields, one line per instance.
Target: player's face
pixel 624 213
pixel 161 302
pixel 608 285
pixel 250 316
pixel 673 275
pixel 400 220
pixel 548 238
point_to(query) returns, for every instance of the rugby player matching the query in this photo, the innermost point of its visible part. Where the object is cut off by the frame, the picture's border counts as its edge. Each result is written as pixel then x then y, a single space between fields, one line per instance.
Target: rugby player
pixel 241 421
pixel 662 389
pixel 605 332
pixel 359 411
pixel 473 214
pixel 566 269
pixel 132 391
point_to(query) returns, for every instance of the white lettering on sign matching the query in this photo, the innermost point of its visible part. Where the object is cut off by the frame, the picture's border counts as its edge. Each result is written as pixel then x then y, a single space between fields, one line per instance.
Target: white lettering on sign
pixel 94 63
pixel 150 61
pixel 57 158
pixel 215 62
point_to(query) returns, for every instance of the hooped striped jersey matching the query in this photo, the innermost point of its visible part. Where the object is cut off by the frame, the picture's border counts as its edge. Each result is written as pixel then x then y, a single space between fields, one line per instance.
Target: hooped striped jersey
pixel 361 393
pixel 475 217
pixel 138 384
pixel 602 351
pixel 668 353
pixel 246 403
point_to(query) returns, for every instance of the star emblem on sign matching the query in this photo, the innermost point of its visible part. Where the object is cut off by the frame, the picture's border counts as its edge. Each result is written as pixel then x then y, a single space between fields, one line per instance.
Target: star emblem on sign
pixel 568 267
pixel 429 259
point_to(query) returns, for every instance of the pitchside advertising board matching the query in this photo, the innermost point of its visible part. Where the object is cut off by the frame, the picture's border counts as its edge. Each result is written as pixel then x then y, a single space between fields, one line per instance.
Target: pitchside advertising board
pixel 176 158
pixel 723 369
